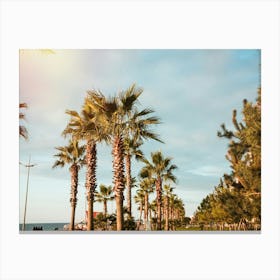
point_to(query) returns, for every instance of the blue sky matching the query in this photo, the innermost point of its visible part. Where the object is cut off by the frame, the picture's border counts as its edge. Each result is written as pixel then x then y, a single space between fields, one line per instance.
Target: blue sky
pixel 192 91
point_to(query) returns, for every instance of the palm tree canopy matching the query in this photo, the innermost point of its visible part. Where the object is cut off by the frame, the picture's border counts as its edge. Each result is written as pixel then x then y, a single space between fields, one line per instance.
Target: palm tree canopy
pixel 131 147
pixel 88 125
pixel 168 190
pixel 139 197
pixel 138 125
pixel 71 154
pixel 123 117
pixel 105 193
pixel 147 185
pixel 160 167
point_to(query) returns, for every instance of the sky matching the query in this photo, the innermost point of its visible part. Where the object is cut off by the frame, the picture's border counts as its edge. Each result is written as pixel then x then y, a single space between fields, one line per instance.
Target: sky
pixel 192 91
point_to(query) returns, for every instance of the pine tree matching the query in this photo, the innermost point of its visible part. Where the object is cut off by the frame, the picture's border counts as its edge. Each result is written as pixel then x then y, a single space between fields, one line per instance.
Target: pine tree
pixel 238 196
pixel 244 154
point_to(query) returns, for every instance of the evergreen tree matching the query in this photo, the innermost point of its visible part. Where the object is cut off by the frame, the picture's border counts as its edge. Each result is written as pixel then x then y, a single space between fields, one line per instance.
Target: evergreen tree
pixel 238 196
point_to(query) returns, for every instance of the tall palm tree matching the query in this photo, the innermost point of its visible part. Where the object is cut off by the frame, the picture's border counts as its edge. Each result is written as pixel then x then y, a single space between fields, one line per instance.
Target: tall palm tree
pixel 123 118
pixel 137 130
pixel 114 114
pixel 104 195
pixel 73 155
pixel 161 170
pixel 167 193
pixel 88 126
pixel 22 129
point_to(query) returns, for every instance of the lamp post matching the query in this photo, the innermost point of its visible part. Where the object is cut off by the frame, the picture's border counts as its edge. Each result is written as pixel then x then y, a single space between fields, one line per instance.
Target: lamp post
pixel 26 194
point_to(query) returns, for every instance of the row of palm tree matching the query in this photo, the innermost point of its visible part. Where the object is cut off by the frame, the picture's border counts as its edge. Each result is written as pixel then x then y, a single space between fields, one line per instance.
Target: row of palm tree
pixel 155 172
pixel 117 122
pixel 172 207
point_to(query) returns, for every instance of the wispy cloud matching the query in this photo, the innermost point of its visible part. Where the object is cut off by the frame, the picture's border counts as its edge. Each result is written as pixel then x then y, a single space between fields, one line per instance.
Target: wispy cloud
pixel 208 171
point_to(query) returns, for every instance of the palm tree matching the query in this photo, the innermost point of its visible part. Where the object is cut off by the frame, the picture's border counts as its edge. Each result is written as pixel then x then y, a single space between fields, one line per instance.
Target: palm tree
pixel 177 210
pixel 122 115
pixel 139 198
pixel 90 127
pixel 147 187
pixel 161 170
pixel 22 129
pixel 131 148
pixel 114 113
pixel 73 155
pixel 124 121
pixel 172 202
pixel 105 194
pixel 167 193
pixel 153 209
pixel 137 130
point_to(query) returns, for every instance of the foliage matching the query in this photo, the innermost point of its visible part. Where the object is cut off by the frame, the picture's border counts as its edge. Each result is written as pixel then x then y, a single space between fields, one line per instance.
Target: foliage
pixel 129 224
pixel 105 194
pixel 237 199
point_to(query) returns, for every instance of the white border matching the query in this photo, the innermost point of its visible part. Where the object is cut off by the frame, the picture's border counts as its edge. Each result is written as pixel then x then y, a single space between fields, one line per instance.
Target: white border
pixel 156 24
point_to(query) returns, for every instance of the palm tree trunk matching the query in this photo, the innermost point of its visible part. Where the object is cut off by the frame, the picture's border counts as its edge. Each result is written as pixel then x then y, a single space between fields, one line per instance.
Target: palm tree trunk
pixel 118 167
pixel 158 199
pixel 166 213
pixel 105 212
pixel 119 205
pixel 90 216
pixel 90 180
pixel 72 223
pixel 105 207
pixel 128 184
pixel 140 216
pixel 146 201
pixel 74 191
pixel 172 217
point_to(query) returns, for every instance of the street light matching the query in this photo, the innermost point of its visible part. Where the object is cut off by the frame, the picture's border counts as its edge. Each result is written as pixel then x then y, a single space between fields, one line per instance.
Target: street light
pixel 26 195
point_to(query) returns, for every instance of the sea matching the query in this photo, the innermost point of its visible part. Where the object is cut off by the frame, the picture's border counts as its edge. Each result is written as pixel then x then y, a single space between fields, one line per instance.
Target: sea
pixel 44 226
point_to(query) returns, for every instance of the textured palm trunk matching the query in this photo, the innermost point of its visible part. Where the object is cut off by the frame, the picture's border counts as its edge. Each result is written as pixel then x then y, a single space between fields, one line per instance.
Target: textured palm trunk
pixel 90 180
pixel 128 184
pixel 150 215
pixel 74 191
pixel 172 217
pixel 105 212
pixel 166 213
pixel 105 207
pixel 118 167
pixel 146 203
pixel 177 214
pixel 140 216
pixel 158 199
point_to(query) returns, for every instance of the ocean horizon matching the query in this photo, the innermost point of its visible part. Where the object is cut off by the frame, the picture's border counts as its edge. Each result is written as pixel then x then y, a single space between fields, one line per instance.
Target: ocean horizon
pixel 44 226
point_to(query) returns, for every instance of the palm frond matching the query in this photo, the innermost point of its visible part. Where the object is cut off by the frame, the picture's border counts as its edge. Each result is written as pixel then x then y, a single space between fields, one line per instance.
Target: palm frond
pixel 23 132
pixel 58 163
pixel 23 105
